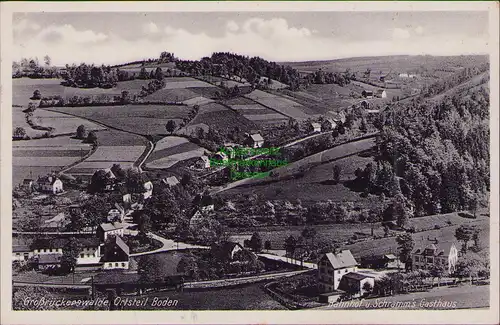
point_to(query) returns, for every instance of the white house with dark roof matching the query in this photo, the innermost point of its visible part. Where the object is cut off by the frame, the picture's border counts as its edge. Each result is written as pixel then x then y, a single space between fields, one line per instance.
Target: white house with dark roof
pixel 443 254
pixel 90 253
pixel 355 283
pixel 255 140
pixel 21 253
pixel 170 181
pixel 106 230
pixel 50 184
pixel 331 268
pixel 315 127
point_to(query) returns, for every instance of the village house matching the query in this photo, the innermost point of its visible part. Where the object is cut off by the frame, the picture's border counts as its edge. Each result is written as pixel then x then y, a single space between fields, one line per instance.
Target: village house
pixel 202 162
pixel 116 255
pixel 328 124
pixel 170 181
pixel 381 93
pixel 199 214
pixel 148 190
pixel 90 253
pixel 255 140
pixel 42 246
pixel 28 185
pixel 314 127
pixel 331 268
pixel 367 94
pixel 355 283
pixel 221 156
pixel 47 262
pixel 107 230
pixel 21 253
pixel 387 261
pixel 443 254
pixel 56 223
pixel 50 184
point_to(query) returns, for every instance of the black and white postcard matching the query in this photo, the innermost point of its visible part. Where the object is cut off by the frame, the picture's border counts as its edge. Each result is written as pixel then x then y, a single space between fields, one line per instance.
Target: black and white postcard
pixel 339 160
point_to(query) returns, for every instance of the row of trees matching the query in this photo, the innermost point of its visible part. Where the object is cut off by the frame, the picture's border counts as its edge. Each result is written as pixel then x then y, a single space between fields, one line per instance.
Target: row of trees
pixel 32 68
pixel 323 77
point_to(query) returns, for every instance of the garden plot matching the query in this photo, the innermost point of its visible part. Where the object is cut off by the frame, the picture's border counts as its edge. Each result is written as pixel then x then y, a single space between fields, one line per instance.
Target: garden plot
pixel 264 117
pixel 172 151
pixel 116 153
pixel 62 123
pixel 187 84
pixel 282 105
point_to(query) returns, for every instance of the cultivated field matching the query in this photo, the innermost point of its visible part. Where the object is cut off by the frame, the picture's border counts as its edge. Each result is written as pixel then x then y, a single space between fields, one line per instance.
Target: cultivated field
pixel 140 119
pixel 175 95
pixel 23 88
pixel 171 150
pixel 255 112
pixel 198 101
pixel 33 158
pixel 186 83
pixel 280 104
pixel 218 117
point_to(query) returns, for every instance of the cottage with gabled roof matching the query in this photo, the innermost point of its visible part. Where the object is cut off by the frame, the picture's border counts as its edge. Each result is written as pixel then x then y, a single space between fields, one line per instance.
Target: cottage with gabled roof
pixel 106 230
pixel 50 184
pixel 331 268
pixel 116 255
pixel 436 254
pixel 255 140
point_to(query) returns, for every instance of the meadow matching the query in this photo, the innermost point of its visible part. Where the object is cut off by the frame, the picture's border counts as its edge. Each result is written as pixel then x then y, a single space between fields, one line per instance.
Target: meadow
pixel 170 150
pixel 140 119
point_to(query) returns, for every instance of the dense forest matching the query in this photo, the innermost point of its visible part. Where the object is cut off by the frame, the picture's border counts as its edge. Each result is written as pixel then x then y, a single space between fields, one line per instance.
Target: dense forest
pixel 250 69
pixel 436 155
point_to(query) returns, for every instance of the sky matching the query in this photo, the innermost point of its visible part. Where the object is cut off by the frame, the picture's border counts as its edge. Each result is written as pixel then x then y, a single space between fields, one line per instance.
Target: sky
pixel 118 37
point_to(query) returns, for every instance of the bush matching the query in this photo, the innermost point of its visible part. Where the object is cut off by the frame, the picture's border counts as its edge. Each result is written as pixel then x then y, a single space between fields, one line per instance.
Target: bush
pixel 437 227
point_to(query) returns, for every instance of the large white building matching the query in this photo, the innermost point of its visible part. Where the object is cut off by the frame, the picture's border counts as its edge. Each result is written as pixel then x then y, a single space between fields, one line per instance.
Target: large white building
pixel 441 254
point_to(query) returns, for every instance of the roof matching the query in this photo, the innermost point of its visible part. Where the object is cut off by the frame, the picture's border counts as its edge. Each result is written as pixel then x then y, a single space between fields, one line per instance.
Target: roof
pixel 204 158
pixel 221 154
pixel 330 120
pixel 20 248
pixel 356 276
pixel 379 91
pixel 58 218
pixel 342 259
pixel 390 256
pixel 27 181
pixel 172 181
pixel 120 243
pixel 49 258
pixel 368 91
pixel 108 226
pixel 315 125
pixel 256 137
pixel 439 249
pixel 48 180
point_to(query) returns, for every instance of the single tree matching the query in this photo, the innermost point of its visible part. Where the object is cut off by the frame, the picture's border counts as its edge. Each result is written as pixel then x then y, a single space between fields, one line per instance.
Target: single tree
pixel 170 126
pixel 36 95
pixel 47 60
pixel 19 133
pixel 267 245
pixel 290 245
pixel 92 137
pixel 309 233
pixel 406 245
pixel 464 233
pixel 149 269
pixel 256 242
pixel 70 254
pixel 337 169
pixel 81 132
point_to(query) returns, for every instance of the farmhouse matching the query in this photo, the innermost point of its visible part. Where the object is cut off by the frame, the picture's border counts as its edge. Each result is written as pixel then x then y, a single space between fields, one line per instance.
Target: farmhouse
pixel 116 255
pixel 200 214
pixel 328 124
pixel 50 184
pixel 170 181
pixel 355 283
pixel 221 156
pixel 255 140
pixel 331 268
pixel 442 254
pixel 49 261
pixel 28 185
pixel 381 93
pixel 380 261
pixel 42 246
pixel 226 251
pixel 90 253
pixel 56 223
pixel 367 94
pixel 315 127
pixel 21 253
pixel 202 162
pixel 106 230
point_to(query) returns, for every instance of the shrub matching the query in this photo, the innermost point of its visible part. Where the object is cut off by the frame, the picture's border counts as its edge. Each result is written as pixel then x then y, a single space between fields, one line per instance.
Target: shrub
pixel 437 227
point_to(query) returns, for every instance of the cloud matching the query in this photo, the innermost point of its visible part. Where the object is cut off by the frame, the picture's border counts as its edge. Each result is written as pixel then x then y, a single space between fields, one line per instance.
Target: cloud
pixel 67 33
pixel 25 25
pixel 419 30
pixel 232 26
pixel 150 28
pixel 400 34
pixel 272 39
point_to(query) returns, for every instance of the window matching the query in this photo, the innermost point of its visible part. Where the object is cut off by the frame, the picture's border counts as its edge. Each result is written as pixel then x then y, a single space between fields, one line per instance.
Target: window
pixel 110 264
pixel 429 260
pixel 123 264
pixel 17 254
pixel 116 264
pixel 345 271
pixel 82 255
